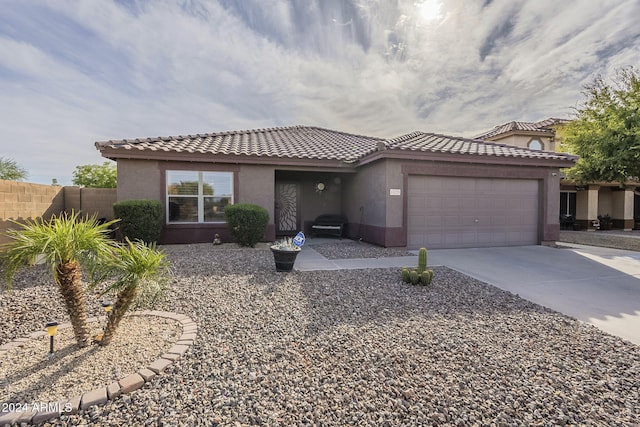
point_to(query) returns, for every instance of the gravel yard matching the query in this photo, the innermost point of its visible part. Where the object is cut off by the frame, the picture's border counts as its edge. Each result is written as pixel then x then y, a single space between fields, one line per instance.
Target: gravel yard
pixel 629 240
pixel 359 347
pixel 352 249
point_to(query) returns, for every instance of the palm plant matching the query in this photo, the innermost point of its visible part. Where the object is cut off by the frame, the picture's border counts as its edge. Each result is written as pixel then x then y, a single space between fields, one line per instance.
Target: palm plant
pixel 63 242
pixel 138 274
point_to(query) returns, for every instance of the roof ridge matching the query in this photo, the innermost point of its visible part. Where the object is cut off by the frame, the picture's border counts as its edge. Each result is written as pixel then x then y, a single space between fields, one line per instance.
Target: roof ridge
pixel 230 132
pixel 342 132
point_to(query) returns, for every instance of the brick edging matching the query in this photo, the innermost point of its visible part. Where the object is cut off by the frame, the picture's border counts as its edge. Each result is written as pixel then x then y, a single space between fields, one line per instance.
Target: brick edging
pixel 100 396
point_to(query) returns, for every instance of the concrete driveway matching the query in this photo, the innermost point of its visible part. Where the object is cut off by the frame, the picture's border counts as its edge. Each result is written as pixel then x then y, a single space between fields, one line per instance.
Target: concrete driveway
pixel 600 286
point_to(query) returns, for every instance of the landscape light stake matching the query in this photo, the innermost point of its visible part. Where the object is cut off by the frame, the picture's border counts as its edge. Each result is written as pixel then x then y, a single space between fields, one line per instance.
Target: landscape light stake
pixel 107 305
pixel 52 329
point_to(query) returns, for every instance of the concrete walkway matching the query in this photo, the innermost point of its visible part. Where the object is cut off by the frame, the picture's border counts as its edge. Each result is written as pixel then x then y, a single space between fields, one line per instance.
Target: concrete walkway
pixel 597 285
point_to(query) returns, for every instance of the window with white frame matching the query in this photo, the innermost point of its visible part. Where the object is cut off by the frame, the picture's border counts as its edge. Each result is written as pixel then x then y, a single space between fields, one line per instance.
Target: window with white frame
pixel 197 196
pixel 535 144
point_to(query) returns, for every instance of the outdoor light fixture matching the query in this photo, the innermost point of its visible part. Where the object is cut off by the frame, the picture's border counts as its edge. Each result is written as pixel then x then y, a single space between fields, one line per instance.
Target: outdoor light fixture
pixel 52 329
pixel 107 305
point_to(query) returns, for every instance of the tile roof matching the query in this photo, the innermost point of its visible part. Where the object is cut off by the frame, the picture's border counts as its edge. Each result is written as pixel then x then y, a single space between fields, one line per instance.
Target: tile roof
pixel 306 142
pixel 300 142
pixel 543 126
pixel 420 141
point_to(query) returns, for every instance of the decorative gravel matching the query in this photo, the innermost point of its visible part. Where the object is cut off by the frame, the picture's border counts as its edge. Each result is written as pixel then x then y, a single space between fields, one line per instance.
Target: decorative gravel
pixel 628 240
pixel 360 347
pixel 74 370
pixel 353 249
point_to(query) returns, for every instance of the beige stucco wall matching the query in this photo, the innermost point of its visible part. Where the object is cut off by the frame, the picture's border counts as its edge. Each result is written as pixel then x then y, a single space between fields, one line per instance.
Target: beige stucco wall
pixel 313 203
pixel 523 141
pixel 364 195
pixel 394 202
pixel 605 202
pixel 623 202
pixel 139 179
pixel 256 185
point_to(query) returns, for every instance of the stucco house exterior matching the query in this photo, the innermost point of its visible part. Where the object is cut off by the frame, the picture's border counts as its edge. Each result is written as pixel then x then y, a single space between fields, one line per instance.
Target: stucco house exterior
pixel 580 204
pixel 419 189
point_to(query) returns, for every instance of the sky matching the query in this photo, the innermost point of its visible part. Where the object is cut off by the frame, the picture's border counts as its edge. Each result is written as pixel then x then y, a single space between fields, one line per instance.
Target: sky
pixel 75 72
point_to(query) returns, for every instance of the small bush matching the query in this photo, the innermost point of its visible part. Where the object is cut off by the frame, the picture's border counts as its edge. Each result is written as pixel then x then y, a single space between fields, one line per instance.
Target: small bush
pixel 247 223
pixel 140 219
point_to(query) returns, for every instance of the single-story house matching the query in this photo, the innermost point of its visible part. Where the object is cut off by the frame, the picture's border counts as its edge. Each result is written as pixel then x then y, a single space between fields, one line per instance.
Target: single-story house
pixel 580 204
pixel 419 189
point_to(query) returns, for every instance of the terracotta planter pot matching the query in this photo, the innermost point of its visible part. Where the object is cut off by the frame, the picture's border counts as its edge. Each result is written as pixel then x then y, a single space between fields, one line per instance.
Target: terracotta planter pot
pixel 284 259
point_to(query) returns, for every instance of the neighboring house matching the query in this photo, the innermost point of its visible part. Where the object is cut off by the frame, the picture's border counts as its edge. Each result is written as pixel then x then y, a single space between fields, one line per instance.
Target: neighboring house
pixel 416 190
pixel 580 205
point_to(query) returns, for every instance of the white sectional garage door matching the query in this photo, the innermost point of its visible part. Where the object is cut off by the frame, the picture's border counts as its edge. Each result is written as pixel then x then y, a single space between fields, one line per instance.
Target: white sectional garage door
pixel 448 212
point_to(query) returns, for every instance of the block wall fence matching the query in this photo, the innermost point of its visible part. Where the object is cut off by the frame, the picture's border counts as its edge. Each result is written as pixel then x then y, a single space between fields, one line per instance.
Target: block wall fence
pixel 22 200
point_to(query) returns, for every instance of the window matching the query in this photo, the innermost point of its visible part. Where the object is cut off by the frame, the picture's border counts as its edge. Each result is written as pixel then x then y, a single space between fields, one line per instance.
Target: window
pixel 535 144
pixel 567 203
pixel 194 196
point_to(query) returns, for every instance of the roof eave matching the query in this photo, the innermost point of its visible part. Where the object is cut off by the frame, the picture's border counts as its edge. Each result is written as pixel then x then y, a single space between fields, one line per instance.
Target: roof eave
pixel 467 158
pixel 499 136
pixel 161 155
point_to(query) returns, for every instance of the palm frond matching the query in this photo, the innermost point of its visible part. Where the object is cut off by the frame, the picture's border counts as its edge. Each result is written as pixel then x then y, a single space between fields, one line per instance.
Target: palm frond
pixel 60 239
pixel 138 266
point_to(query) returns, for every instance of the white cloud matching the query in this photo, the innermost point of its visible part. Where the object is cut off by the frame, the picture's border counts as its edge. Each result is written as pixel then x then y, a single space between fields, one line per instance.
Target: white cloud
pixel 74 72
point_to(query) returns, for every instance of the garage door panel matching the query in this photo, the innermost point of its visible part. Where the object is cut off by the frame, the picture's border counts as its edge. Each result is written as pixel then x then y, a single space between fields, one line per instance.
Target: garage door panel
pixel 449 212
pixel 418 221
pixel 436 221
pixel 433 240
pixel 498 236
pixel 467 221
pixel 469 238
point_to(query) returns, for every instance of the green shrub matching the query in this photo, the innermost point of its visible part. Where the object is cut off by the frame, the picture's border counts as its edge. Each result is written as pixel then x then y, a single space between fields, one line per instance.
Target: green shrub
pixel 140 219
pixel 247 223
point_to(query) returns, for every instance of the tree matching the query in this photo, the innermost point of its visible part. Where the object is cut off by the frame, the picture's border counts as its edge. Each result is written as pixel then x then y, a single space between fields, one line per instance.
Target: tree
pixel 96 176
pixel 10 170
pixel 606 131
pixel 64 241
pixel 138 274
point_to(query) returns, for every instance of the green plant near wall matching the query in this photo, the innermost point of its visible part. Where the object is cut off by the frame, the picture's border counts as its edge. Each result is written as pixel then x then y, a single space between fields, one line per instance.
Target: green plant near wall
pixel 140 219
pixel 247 223
pixel 421 275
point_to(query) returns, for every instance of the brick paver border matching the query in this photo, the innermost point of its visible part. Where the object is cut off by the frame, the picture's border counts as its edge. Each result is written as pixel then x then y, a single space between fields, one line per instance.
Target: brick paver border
pixel 100 396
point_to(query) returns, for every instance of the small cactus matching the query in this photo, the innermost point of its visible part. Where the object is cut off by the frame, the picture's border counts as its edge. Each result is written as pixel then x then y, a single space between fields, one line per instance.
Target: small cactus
pixel 414 277
pixel 422 260
pixel 418 275
pixel 405 275
pixel 426 277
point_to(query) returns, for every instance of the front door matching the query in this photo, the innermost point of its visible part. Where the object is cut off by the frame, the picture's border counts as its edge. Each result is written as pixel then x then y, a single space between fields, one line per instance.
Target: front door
pixel 286 208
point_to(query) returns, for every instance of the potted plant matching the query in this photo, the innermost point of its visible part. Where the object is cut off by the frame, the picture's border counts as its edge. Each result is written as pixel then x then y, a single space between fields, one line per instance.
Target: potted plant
pixel 606 222
pixel 284 254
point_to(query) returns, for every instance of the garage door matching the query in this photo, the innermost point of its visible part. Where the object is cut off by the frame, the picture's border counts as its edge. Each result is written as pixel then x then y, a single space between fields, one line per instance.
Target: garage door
pixel 446 212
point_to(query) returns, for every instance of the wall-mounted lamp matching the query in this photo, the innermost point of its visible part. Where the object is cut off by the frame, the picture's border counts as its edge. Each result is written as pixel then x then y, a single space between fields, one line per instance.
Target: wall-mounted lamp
pixel 320 187
pixel 52 329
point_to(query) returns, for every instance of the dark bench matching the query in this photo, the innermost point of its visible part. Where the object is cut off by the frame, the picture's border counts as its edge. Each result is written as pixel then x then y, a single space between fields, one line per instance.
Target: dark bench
pixel 329 224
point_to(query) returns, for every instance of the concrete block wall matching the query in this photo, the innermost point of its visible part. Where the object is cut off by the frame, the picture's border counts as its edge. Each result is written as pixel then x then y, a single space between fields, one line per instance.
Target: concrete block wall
pixel 22 200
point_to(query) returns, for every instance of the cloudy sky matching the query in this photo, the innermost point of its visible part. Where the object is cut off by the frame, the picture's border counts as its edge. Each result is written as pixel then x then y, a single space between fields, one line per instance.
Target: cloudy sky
pixel 75 72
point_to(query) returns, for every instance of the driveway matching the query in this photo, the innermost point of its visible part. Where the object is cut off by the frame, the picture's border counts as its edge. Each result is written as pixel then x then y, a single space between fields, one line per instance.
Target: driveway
pixel 600 286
